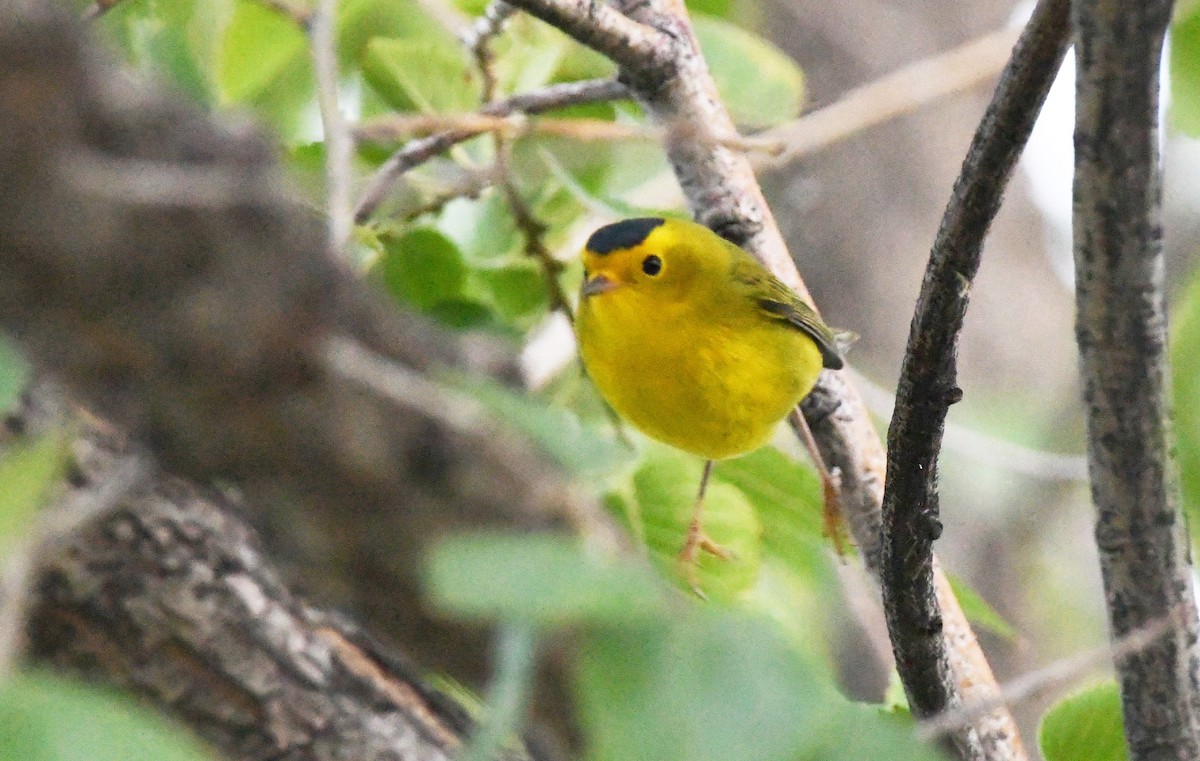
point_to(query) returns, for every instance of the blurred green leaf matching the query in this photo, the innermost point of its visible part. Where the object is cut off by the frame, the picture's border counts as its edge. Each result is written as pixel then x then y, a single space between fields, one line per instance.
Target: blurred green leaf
pixel 517 290
pixel 716 8
pixel 483 228
pixel 422 267
pixel 527 55
pixel 786 495
pixel 14 374
pixel 359 21
pixel 43 718
pixel 260 45
pixel 759 84
pixel 699 686
pixel 978 611
pixel 420 75
pixel 462 314
pixel 1086 726
pixel 559 434
pixel 665 487
pixel 539 578
pixel 857 731
pixel 1185 379
pixel 28 473
pixel 1185 73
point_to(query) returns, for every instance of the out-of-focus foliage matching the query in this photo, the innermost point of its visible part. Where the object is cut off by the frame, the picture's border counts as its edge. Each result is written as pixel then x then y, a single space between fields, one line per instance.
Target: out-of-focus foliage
pixel 1185 69
pixel 660 677
pixel 1085 726
pixel 1185 361
pixel 43 718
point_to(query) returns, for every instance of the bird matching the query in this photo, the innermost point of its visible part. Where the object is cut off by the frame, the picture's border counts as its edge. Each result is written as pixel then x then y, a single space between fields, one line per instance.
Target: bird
pixel 693 342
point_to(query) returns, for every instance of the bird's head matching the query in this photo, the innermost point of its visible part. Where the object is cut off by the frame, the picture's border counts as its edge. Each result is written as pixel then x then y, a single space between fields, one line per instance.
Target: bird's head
pixel 648 255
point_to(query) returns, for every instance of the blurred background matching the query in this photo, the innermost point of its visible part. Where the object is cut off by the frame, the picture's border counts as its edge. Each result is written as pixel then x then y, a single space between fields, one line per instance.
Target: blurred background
pixel 859 216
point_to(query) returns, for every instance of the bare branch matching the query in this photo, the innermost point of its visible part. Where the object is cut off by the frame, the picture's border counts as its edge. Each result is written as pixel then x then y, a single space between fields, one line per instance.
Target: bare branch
pixel 419 151
pixel 166 592
pixel 200 329
pixel 338 146
pixel 1053 676
pixel 1121 330
pixel 895 94
pixel 928 378
pixel 638 48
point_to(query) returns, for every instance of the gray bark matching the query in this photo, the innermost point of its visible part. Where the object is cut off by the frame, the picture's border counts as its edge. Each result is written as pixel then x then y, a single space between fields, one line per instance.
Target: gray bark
pixel 1121 331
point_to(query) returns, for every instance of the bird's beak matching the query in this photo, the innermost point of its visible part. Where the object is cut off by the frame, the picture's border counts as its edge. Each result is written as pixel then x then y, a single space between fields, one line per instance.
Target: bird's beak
pixel 597 284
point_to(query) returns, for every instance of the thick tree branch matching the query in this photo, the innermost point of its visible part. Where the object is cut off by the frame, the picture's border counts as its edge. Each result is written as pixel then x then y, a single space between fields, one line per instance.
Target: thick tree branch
pixel 153 263
pixel 168 593
pixel 928 382
pixel 1121 330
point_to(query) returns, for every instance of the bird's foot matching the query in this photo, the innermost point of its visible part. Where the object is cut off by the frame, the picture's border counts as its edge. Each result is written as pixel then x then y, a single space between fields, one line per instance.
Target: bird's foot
pixel 688 558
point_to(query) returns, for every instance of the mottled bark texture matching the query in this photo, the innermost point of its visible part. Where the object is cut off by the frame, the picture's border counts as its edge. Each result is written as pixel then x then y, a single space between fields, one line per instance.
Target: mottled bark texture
pixel 169 594
pixel 928 384
pixel 153 261
pixel 1121 330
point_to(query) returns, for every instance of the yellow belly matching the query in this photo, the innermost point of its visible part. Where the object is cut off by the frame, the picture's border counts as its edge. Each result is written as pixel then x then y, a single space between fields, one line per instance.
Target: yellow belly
pixel 713 389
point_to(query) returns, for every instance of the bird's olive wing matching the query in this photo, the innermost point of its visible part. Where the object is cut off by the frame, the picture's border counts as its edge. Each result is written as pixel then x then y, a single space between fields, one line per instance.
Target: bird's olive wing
pixel 777 301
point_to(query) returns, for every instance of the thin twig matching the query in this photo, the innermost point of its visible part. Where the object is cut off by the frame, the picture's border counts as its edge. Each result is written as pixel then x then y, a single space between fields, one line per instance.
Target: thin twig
pixel 391 127
pixel 1057 675
pixel 478 40
pixel 338 146
pixel 895 94
pixel 982 448
pixel 98 9
pixel 297 14
pixel 419 151
pixel 928 379
pixel 532 230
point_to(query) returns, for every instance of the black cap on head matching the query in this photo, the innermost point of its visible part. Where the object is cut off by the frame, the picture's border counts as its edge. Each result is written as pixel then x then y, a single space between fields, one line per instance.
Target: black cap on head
pixel 625 234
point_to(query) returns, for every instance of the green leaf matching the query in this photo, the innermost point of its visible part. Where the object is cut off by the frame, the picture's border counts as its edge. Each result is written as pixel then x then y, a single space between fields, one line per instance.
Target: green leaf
pixel 581 450
pixel 359 21
pixel 259 48
pixel 538 578
pixel 422 267
pixel 463 314
pixel 527 55
pixel 978 611
pixel 28 473
pixel 1086 726
pixel 421 75
pixel 698 687
pixel 787 496
pixel 517 291
pixel 1185 378
pixel 43 718
pixel 14 374
pixel 665 488
pixel 484 229
pixel 1185 74
pixel 759 84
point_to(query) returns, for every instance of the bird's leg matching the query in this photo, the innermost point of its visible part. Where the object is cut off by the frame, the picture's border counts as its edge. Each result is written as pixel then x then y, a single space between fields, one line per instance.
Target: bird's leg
pixel 696 539
pixel 833 520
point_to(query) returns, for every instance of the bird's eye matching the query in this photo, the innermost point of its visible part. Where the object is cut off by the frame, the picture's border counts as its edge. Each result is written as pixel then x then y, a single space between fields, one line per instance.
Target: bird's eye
pixel 652 265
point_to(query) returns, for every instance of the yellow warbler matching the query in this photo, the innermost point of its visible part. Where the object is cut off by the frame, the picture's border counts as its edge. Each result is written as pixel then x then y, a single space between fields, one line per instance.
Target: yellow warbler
pixel 692 341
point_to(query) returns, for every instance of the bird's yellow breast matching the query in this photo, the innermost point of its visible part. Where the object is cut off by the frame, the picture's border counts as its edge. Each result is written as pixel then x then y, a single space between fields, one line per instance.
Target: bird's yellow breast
pixel 709 375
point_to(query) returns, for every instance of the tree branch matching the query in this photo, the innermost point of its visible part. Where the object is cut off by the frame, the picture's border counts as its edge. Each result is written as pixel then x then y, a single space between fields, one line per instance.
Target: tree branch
pixel 152 263
pixel 168 593
pixel 928 375
pixel 1121 331
pixel 419 151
